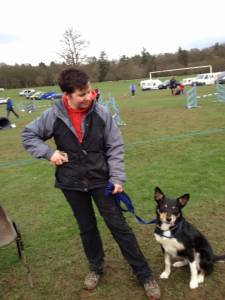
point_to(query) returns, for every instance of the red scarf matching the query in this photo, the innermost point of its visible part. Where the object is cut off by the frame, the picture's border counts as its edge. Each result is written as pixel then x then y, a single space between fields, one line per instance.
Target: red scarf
pixel 77 115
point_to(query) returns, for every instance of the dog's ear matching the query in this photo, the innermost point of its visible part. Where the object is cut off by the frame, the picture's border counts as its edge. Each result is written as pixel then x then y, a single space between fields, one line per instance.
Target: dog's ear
pixel 158 194
pixel 183 200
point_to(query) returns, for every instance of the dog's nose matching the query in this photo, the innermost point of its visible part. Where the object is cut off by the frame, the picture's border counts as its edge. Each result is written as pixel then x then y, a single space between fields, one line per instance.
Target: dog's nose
pixel 168 219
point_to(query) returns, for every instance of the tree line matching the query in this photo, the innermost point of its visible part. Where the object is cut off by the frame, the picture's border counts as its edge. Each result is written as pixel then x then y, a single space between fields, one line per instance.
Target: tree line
pixel 102 69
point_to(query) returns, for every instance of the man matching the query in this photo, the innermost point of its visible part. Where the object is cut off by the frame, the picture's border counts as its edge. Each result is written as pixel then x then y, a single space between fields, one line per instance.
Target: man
pixel 90 153
pixel 10 108
pixel 173 85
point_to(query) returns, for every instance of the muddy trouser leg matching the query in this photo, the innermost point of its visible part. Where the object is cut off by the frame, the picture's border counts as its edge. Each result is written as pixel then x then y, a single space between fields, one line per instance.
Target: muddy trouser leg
pixel 123 234
pixel 81 204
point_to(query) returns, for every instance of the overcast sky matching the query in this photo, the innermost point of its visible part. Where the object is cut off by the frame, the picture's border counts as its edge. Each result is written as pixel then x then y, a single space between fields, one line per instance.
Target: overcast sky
pixel 30 31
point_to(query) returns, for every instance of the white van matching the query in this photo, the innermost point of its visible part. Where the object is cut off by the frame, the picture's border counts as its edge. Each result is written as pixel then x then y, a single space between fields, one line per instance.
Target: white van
pixel 205 79
pixel 150 84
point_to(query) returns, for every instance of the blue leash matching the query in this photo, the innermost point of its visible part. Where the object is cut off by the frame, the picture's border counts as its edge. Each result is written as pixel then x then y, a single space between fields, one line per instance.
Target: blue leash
pixel 125 199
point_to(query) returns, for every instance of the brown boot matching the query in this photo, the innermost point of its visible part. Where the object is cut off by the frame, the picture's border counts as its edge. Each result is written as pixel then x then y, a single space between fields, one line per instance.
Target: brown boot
pixel 91 280
pixel 152 289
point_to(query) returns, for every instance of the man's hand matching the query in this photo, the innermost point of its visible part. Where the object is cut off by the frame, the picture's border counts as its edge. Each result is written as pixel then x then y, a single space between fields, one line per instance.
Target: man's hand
pixel 117 188
pixel 58 158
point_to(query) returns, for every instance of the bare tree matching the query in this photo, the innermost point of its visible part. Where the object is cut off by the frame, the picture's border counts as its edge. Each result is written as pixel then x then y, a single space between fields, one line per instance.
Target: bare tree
pixel 73 46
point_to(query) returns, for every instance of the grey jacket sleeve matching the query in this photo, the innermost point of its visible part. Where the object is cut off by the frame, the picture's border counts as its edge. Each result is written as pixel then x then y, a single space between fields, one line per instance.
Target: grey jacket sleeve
pixel 37 132
pixel 114 149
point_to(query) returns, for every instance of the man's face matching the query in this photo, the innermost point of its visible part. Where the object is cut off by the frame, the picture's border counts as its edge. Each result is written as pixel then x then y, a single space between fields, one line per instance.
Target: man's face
pixel 81 98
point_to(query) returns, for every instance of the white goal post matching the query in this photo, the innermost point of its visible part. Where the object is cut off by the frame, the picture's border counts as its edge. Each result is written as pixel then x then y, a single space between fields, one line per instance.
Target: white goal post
pixel 171 70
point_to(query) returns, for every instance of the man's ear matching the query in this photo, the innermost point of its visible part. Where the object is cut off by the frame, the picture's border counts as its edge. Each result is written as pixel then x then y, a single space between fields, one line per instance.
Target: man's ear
pixel 158 195
pixel 183 200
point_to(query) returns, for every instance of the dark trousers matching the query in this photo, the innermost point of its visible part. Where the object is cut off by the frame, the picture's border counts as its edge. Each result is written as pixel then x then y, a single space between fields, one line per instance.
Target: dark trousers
pixel 81 204
pixel 13 111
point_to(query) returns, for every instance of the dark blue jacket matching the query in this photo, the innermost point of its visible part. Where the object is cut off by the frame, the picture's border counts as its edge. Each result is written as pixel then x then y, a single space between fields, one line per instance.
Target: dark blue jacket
pixel 9 104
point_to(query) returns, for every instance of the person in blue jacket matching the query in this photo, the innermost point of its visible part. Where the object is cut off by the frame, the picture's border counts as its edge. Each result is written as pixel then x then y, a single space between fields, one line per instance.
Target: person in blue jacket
pixel 10 108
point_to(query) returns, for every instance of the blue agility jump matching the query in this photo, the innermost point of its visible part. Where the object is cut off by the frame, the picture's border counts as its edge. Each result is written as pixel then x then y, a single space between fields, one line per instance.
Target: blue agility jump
pixel 112 106
pixel 193 98
pixel 220 95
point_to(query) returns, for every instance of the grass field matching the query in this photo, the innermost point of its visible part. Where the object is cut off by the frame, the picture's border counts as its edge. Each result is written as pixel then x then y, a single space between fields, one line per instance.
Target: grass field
pixel 167 145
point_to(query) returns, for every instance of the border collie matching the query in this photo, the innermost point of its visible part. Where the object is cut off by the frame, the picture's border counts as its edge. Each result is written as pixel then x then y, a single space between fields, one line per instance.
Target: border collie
pixel 181 240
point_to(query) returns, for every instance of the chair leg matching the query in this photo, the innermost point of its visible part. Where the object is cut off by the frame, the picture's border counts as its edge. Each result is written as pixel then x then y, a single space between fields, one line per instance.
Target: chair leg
pixel 20 246
pixel 21 254
pixel 19 241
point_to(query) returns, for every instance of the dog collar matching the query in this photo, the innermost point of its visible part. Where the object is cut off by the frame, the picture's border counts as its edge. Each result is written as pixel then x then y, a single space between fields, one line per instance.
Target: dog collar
pixel 178 226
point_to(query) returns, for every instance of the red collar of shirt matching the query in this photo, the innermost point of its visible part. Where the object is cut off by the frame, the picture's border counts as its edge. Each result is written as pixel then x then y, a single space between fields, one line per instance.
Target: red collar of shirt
pixel 77 115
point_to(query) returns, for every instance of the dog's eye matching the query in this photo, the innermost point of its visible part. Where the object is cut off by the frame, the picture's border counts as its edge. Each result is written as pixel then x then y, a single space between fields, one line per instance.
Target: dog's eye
pixel 165 206
pixel 175 209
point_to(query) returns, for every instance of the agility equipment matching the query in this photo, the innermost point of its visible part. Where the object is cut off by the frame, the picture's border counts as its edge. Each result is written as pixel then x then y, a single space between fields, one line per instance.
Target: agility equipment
pixel 192 98
pixel 32 106
pixel 116 112
pixel 220 95
pixel 112 106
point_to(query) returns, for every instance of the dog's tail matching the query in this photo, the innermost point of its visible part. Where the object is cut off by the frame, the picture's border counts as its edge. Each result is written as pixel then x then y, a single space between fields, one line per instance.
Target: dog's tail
pixel 219 258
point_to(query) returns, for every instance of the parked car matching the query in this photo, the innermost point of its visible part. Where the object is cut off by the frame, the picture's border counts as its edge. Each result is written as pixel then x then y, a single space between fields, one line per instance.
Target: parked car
pixel 36 95
pixel 221 80
pixel 46 95
pixel 55 96
pixel 150 84
pixel 28 95
pixel 26 92
pixel 188 81
pixel 164 85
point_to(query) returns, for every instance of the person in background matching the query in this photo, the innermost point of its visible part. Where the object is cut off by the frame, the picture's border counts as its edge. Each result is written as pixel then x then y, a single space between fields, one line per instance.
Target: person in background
pixel 10 108
pixel 173 85
pixel 133 89
pixel 180 90
pixel 98 93
pixel 89 153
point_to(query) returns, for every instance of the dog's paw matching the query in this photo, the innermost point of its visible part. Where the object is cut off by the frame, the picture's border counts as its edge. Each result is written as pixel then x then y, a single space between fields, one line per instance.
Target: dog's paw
pixel 201 278
pixel 179 264
pixel 193 284
pixel 164 275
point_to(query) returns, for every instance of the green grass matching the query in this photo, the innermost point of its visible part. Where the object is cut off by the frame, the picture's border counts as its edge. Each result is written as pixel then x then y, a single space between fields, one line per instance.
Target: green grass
pixel 167 145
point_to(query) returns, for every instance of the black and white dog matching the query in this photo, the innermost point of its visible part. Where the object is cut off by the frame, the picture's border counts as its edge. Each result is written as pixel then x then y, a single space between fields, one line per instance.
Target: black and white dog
pixel 180 239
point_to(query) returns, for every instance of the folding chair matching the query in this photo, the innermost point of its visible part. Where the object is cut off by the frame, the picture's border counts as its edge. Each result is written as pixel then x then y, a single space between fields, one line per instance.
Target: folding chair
pixel 9 233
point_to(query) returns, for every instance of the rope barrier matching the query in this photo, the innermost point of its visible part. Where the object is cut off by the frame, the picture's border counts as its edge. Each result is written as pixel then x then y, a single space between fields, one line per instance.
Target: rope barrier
pixel 9 164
